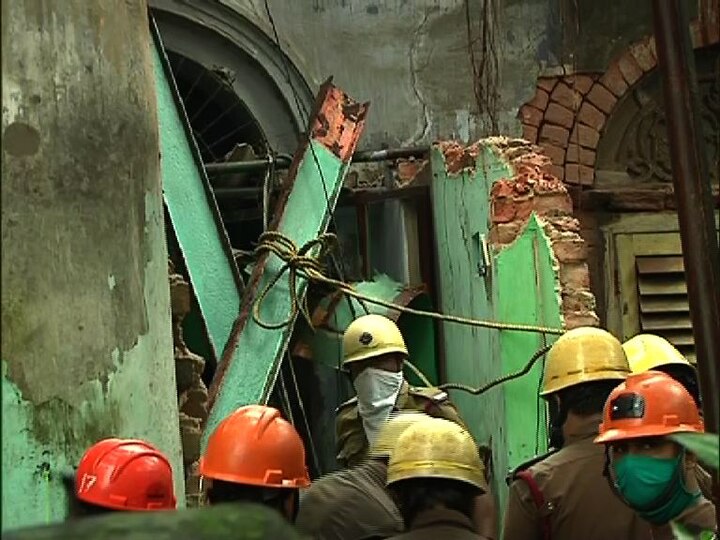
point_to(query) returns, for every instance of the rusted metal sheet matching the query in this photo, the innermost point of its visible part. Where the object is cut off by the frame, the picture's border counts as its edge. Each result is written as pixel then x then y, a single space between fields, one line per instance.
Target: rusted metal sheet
pixel 250 361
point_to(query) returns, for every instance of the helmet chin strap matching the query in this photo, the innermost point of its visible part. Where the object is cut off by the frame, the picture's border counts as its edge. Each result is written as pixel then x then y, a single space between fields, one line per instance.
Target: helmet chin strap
pixel 557 415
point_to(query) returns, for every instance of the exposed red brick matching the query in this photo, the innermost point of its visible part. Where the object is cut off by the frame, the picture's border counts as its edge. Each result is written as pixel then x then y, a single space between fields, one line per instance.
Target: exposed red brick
pixel 574 275
pixel 602 98
pixel 531 115
pixel 581 83
pixel 553 204
pixel 503 210
pixel 574 319
pixel 530 133
pixel 524 206
pixel 578 301
pixel 630 69
pixel 559 115
pixel 565 224
pixel 570 250
pixel 505 233
pixel 554 135
pixel 566 96
pixel 557 171
pixel 614 81
pixel 591 116
pixel 540 99
pixel 547 83
pixel 585 136
pixel 579 174
pixel 457 156
pixel 643 54
pixel 408 169
pixel 555 153
pixel 578 154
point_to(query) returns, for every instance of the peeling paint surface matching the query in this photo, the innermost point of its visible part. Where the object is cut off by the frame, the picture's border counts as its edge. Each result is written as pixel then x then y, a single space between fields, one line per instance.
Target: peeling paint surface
pixel 521 287
pixel 86 338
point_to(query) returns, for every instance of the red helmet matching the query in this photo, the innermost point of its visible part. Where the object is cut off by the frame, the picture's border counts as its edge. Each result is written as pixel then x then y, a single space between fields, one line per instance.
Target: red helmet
pixel 256 446
pixel 125 474
pixel 648 404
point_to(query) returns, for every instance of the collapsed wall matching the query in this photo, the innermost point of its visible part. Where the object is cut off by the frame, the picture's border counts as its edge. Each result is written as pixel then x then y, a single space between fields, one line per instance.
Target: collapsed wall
pixel 533 188
pixel 191 391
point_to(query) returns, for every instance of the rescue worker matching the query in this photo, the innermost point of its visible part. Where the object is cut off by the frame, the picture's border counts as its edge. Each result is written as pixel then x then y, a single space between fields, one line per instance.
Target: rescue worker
pixel 353 503
pixel 434 474
pixel 374 352
pixel 647 352
pixel 123 475
pixel 563 494
pixel 650 473
pixel 254 455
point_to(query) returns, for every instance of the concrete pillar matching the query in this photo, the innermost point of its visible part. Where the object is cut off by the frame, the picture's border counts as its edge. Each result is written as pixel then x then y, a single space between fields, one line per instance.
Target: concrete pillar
pixel 86 335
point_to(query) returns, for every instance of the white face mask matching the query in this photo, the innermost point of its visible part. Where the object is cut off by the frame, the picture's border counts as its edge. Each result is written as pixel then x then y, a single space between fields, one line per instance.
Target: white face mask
pixel 377 391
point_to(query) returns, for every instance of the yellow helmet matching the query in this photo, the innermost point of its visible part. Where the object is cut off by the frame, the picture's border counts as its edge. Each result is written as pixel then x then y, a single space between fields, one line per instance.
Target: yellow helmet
pixel 369 336
pixel 647 351
pixel 436 448
pixel 583 355
pixel 391 431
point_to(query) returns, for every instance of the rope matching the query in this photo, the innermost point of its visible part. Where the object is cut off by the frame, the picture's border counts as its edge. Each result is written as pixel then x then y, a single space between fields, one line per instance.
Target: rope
pixel 306 262
pixel 492 384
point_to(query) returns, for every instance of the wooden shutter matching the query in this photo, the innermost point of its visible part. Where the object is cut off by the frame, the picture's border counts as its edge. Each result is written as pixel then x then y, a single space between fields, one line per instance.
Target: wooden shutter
pixel 652 282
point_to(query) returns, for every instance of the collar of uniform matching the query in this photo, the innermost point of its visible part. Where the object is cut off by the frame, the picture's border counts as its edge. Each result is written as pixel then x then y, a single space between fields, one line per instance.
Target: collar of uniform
pixel 582 428
pixel 445 516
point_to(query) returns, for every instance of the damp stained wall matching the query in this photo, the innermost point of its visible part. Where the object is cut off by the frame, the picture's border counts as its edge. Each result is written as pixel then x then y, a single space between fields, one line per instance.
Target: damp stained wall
pixel 86 337
pixel 506 417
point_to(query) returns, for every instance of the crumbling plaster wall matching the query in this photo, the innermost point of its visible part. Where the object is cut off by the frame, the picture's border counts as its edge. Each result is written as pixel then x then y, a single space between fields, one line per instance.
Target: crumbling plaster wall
pixel 86 342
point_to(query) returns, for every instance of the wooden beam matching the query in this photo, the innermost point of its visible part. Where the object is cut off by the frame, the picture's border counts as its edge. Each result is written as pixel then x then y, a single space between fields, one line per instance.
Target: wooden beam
pixel 193 211
pixel 223 522
pixel 249 365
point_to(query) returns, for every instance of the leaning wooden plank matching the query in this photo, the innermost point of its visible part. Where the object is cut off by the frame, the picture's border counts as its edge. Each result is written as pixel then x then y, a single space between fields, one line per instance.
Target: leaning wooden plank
pixel 224 522
pixel 193 211
pixel 249 364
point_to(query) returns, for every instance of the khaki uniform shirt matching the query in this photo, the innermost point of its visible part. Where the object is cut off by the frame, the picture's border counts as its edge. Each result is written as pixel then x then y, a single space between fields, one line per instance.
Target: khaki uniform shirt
pixel 352 445
pixel 440 524
pixel 579 501
pixel 350 505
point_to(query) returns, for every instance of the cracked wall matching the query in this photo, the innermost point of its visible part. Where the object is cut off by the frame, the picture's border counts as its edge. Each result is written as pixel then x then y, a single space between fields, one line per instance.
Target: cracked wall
pixel 500 190
pixel 86 343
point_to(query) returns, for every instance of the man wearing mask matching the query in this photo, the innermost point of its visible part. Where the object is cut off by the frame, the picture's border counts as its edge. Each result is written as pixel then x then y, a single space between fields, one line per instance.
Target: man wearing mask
pixel 434 475
pixel 353 503
pixel 374 352
pixel 255 455
pixel 564 495
pixel 650 473
pixel 648 352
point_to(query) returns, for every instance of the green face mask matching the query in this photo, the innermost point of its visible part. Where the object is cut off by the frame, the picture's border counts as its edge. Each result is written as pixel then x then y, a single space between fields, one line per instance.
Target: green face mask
pixel 654 487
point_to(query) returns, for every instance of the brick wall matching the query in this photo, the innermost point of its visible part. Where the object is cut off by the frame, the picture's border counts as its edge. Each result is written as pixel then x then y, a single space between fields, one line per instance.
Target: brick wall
pixel 192 393
pixel 567 115
pixel 533 188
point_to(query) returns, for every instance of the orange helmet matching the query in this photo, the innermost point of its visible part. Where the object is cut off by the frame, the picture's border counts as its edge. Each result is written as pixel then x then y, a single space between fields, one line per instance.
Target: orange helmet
pixel 256 446
pixel 125 474
pixel 649 404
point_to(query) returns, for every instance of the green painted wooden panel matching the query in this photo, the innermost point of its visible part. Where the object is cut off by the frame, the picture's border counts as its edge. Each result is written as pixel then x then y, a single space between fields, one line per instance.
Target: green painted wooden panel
pixel 252 371
pixel 194 214
pixel 461 215
pixel 527 292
